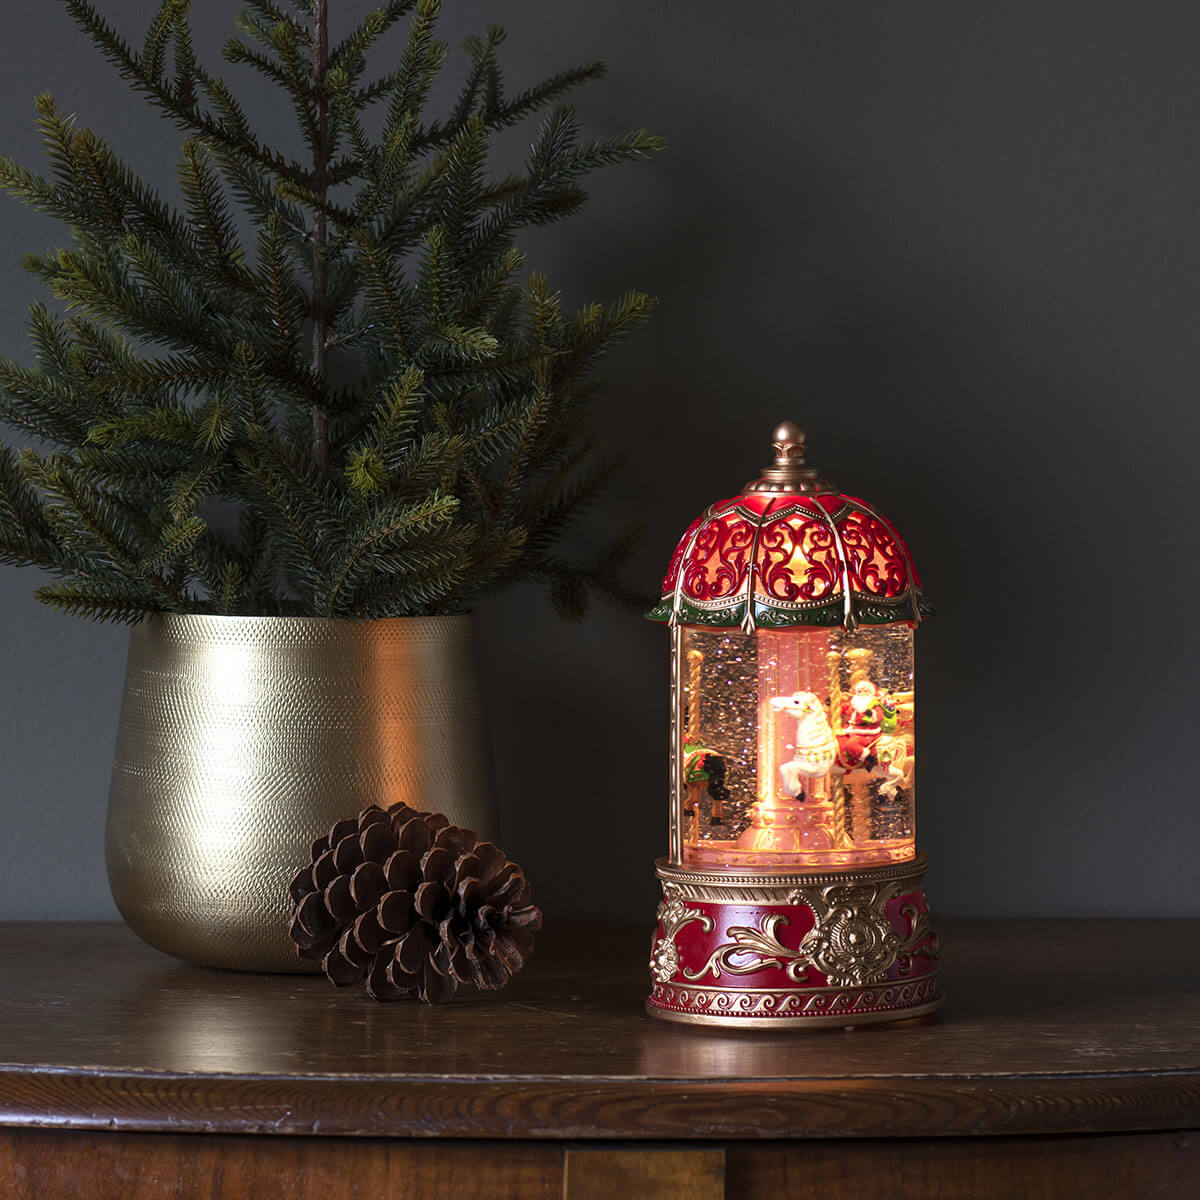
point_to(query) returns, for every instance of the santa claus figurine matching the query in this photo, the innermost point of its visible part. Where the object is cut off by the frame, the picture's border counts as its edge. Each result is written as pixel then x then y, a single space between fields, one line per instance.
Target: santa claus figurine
pixel 865 716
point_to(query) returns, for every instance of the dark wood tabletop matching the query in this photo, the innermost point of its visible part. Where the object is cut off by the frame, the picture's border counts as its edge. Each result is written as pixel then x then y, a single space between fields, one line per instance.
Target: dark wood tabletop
pixel 1049 1027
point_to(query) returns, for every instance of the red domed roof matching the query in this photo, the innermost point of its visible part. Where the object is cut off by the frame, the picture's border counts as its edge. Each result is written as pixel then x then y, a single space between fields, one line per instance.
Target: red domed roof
pixel 790 550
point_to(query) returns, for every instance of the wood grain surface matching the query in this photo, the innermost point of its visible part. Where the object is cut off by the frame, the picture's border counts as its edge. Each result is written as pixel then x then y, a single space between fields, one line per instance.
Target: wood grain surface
pixel 644 1174
pixel 63 1165
pixel 1049 1027
pixel 1112 1167
pixel 43 1164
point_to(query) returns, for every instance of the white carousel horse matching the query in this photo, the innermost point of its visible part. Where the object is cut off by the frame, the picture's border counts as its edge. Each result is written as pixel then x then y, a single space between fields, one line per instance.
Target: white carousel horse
pixel 817 750
pixel 814 748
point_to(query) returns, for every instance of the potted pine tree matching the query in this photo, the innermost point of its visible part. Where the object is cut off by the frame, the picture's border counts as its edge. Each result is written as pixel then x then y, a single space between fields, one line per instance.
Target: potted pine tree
pixel 291 431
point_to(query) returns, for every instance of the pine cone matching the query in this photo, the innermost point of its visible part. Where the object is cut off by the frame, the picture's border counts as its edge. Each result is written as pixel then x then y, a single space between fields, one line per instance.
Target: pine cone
pixel 414 904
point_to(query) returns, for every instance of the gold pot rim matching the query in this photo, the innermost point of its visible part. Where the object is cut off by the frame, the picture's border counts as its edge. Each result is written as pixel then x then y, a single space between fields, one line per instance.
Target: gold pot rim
pixel 230 619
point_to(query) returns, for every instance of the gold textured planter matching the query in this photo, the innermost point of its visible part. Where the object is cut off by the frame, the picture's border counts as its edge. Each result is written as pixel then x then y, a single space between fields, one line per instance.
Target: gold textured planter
pixel 242 739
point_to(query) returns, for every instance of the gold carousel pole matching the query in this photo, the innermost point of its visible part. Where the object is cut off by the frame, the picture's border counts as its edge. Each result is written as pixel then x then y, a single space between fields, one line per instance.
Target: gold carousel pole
pixel 695 659
pixel 860 664
pixel 837 789
pixel 676 784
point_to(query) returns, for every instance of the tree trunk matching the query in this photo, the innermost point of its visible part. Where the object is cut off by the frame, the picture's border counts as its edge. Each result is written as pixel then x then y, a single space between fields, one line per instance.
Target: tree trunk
pixel 320 279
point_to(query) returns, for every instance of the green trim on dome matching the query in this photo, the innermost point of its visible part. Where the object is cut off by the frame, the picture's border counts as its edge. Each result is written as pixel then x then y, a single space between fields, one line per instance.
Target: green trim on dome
pixel 868 610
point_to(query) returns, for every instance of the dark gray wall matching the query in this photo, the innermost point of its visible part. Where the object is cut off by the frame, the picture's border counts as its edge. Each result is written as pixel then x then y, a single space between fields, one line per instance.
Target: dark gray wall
pixel 959 243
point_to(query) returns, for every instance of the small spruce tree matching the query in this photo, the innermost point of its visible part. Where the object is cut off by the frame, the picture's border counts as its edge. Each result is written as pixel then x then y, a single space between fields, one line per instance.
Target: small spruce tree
pixel 374 412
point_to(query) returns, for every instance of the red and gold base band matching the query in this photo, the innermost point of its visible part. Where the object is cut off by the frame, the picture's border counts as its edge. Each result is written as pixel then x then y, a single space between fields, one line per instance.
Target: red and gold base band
pixel 794 951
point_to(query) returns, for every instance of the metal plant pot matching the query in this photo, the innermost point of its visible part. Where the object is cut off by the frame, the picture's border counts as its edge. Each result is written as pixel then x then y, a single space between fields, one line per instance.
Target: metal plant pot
pixel 242 739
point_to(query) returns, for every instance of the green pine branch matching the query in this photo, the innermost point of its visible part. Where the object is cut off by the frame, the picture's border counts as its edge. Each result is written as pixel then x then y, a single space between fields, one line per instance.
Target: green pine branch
pixel 395 415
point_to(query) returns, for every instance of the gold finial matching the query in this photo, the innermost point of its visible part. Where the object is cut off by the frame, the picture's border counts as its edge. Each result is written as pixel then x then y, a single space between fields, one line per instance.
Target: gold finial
pixel 789 472
pixel 788 440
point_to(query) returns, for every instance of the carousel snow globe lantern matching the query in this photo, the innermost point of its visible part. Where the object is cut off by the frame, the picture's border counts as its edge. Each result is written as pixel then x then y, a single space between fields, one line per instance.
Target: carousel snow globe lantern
pixel 792 893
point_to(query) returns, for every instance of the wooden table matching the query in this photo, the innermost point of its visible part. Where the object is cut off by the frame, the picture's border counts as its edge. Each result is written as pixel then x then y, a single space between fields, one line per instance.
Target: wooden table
pixel 126 1074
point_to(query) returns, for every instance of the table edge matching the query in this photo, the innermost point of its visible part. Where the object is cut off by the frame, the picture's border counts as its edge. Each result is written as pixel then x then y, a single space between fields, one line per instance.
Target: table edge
pixel 533 1109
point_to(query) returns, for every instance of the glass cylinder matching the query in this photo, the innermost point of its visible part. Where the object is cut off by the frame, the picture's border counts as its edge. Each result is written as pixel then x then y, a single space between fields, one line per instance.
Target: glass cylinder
pixel 792 748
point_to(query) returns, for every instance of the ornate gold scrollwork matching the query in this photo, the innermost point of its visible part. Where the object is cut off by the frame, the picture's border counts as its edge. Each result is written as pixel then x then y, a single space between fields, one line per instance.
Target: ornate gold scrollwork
pixel 673 914
pixel 853 942
pixel 757 948
pixel 815 1006
pixel 920 938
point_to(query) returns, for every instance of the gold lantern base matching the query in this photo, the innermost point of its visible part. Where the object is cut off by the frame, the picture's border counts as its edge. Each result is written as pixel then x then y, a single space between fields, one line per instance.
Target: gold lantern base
pixel 794 951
